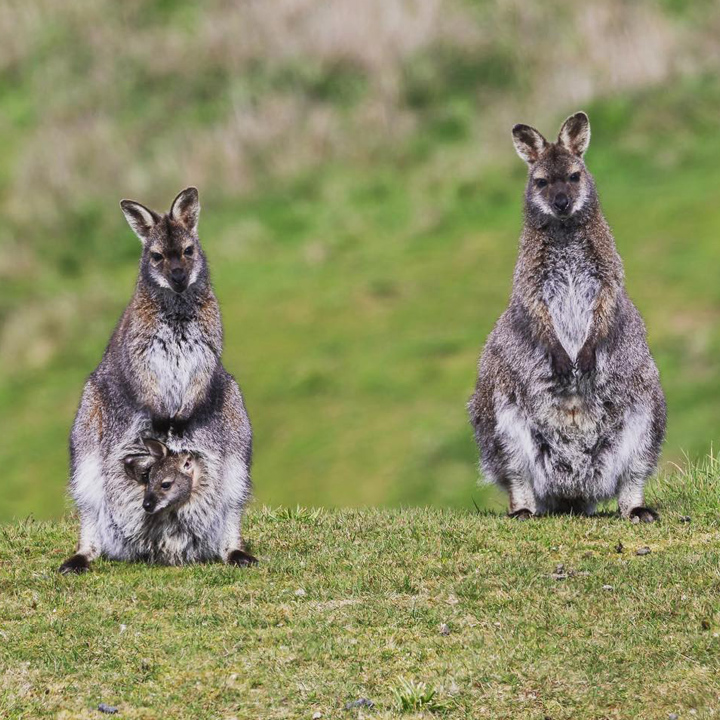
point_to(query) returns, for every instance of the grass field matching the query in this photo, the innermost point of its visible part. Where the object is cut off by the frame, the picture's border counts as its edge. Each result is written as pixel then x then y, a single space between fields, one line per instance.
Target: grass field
pixel 424 612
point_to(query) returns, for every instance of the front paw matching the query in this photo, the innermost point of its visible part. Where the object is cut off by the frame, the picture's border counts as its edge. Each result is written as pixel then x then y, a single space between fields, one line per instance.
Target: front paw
pixel 240 558
pixel 161 426
pixel 643 515
pixel 586 360
pixel 521 514
pixel 75 565
pixel 562 365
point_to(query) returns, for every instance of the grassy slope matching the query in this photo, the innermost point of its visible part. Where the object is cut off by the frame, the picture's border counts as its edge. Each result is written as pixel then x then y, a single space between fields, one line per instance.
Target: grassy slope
pixel 356 301
pixel 348 604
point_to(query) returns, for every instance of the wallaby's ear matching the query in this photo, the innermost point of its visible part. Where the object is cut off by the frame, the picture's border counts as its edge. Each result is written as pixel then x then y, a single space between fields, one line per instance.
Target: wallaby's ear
pixel 135 465
pixel 186 209
pixel 575 134
pixel 141 219
pixel 157 449
pixel 529 143
pixel 188 463
pixel 129 462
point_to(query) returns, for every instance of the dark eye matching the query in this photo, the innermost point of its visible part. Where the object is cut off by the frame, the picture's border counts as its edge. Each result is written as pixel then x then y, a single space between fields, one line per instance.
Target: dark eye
pixel 157 257
pixel 575 177
pixel 165 485
pixel 189 251
pixel 541 183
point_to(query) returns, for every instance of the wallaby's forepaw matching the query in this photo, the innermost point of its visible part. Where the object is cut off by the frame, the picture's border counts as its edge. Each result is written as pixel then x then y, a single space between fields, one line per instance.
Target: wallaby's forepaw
pixel 240 558
pixel 562 365
pixel 75 565
pixel 521 514
pixel 586 362
pixel 643 515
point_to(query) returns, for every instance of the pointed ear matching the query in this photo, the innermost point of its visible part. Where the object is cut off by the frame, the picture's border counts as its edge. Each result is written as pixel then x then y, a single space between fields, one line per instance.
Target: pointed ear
pixel 529 143
pixel 141 219
pixel 186 209
pixel 188 463
pixel 135 465
pixel 130 462
pixel 157 449
pixel 575 134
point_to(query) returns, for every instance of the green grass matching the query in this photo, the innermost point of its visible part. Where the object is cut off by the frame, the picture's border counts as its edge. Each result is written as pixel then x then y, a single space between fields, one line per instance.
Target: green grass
pixel 356 302
pixel 359 268
pixel 351 604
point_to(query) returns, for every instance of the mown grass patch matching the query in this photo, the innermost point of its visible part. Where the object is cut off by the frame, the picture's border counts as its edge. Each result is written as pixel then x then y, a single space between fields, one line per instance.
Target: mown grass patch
pixel 423 612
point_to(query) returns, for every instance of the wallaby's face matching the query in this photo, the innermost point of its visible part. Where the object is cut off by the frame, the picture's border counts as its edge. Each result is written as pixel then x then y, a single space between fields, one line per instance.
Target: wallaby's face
pixel 168 477
pixel 559 184
pixel 172 257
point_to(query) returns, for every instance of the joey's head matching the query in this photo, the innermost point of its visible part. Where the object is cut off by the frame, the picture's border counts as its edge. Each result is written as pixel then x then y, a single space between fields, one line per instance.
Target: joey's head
pixel 168 477
pixel 172 257
pixel 559 185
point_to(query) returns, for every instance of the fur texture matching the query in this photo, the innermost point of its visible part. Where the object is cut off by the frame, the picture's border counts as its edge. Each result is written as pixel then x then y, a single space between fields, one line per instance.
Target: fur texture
pixel 568 409
pixel 161 375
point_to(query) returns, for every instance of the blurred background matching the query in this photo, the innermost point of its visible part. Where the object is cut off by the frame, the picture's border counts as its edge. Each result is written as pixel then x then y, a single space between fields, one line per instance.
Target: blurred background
pixel 362 202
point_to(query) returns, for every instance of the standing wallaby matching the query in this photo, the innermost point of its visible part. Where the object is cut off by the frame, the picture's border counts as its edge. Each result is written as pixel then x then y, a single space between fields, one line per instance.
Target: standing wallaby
pixel 568 408
pixel 161 371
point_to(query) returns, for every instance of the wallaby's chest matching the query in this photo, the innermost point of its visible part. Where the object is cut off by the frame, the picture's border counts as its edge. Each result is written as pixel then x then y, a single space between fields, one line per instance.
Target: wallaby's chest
pixel 570 289
pixel 179 364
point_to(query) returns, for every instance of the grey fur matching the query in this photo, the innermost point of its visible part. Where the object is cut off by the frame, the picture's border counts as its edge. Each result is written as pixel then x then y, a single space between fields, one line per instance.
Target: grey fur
pixel 568 409
pixel 161 375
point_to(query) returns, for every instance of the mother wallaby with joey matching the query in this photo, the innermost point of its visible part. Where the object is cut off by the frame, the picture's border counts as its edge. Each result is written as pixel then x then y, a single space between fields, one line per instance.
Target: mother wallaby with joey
pixel 161 375
pixel 568 409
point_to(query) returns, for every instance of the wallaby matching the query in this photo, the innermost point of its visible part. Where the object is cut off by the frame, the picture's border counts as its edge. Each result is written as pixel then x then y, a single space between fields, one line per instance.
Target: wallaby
pixel 168 477
pixel 568 409
pixel 161 373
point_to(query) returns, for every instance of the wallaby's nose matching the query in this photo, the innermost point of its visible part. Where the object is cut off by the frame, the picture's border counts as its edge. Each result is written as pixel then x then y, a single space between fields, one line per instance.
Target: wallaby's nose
pixel 149 503
pixel 561 202
pixel 177 274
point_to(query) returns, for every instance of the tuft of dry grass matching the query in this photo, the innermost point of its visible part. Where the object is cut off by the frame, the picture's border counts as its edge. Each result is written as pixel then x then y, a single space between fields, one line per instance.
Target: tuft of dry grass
pixel 137 98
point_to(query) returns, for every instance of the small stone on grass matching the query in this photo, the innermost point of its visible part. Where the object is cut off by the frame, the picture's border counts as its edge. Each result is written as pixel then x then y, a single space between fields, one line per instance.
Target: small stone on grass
pixel 359 703
pixel 444 629
pixel 643 550
pixel 109 709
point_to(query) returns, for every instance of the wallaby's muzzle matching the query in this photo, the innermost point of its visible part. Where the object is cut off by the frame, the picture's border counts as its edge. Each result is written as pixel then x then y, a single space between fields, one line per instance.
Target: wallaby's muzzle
pixel 178 279
pixel 561 203
pixel 149 503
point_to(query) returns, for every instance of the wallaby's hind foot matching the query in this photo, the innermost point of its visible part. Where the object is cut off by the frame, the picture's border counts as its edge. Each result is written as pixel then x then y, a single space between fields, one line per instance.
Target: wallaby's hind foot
pixel 521 514
pixel 240 558
pixel 75 565
pixel 643 515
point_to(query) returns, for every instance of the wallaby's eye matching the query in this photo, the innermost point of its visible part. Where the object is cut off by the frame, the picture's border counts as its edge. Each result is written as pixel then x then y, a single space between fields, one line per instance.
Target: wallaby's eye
pixel 157 257
pixel 165 485
pixel 575 177
pixel 541 183
pixel 189 251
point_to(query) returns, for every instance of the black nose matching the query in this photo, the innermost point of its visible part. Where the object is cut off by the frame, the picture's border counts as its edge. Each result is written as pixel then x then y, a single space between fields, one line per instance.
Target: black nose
pixel 149 504
pixel 561 202
pixel 177 274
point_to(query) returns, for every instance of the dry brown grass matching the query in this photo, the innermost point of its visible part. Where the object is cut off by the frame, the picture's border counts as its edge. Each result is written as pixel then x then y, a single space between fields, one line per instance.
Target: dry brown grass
pixel 116 88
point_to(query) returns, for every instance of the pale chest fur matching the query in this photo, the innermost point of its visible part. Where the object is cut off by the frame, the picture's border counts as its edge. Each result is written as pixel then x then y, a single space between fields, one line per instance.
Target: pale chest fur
pixel 570 289
pixel 178 365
